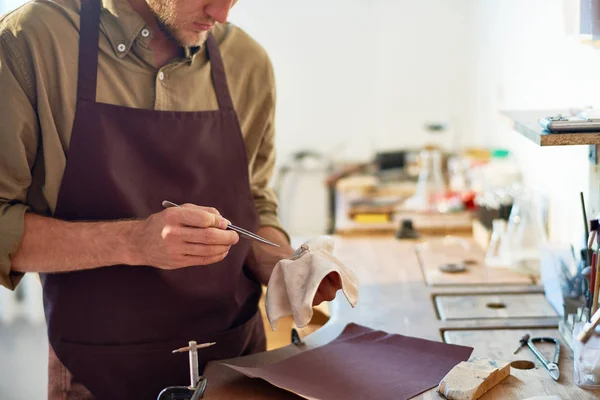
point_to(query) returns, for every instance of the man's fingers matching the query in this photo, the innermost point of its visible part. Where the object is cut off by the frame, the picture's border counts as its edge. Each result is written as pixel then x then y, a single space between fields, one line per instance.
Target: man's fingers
pixel 329 287
pixel 334 280
pixel 318 299
pixel 329 292
pixel 324 295
pixel 197 217
pixel 204 250
pixel 211 210
pixel 326 292
pixel 216 236
pixel 204 235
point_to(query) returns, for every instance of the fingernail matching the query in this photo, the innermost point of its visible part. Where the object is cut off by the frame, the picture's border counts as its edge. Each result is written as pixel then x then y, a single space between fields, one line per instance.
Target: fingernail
pixel 223 223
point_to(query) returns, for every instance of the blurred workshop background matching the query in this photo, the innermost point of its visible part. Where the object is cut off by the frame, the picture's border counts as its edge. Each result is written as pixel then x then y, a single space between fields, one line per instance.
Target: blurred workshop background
pixel 381 104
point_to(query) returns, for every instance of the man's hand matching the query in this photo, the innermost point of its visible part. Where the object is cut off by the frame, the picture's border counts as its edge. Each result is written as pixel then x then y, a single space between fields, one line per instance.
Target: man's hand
pixel 173 238
pixel 262 258
pixel 327 289
pixel 181 237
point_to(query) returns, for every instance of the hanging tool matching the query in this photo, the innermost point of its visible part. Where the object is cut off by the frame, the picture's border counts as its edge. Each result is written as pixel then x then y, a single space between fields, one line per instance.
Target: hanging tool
pixel 585 227
pixel 197 383
pixel 594 278
pixel 551 366
pixel 231 227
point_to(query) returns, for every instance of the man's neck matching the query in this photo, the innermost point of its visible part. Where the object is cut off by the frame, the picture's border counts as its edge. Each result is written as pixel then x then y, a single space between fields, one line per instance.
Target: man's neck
pixel 162 45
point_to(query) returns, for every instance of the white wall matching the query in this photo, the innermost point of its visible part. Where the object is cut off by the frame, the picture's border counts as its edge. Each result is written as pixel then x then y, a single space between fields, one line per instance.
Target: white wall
pixel 8 5
pixel 364 74
pixel 528 57
pixel 360 75
pixel 354 76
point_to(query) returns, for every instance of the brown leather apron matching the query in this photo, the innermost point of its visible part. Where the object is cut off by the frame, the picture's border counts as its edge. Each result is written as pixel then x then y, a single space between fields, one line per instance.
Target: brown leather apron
pixel 114 328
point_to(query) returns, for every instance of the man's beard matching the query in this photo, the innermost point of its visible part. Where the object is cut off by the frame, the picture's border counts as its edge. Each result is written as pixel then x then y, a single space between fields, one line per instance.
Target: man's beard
pixel 164 11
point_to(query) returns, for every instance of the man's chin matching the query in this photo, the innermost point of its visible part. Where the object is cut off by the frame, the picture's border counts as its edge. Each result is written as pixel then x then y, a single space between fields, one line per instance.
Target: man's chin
pixel 194 39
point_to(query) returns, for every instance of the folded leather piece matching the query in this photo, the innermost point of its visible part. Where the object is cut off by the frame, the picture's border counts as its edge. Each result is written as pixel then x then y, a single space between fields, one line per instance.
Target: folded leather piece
pixel 294 281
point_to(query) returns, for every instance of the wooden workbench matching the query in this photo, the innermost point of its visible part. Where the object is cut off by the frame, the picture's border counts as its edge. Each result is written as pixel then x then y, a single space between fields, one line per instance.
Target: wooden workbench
pixel 395 297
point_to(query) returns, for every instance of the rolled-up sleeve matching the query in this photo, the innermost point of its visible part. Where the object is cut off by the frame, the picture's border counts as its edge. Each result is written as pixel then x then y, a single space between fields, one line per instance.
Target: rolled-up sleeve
pixel 265 199
pixel 18 148
pixel 262 169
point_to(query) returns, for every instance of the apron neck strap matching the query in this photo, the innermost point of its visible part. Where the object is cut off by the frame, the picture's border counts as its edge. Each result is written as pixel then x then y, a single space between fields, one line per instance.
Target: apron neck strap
pixel 89 34
pixel 218 73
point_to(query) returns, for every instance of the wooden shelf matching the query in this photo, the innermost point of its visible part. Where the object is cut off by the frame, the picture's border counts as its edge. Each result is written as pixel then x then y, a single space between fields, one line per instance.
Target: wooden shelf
pixel 527 124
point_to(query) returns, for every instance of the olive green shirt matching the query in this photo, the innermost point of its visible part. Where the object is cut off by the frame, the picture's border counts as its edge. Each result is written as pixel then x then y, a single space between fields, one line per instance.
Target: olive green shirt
pixel 38 83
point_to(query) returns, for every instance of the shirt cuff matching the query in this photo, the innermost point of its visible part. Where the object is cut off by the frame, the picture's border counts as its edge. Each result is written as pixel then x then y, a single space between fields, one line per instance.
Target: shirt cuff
pixel 272 220
pixel 11 234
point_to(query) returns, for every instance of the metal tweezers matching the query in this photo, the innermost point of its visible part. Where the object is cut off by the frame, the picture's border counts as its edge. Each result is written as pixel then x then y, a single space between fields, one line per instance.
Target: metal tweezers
pixel 231 227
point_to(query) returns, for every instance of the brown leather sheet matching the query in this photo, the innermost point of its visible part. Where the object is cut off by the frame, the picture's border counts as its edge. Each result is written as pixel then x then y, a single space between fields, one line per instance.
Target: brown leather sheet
pixel 363 364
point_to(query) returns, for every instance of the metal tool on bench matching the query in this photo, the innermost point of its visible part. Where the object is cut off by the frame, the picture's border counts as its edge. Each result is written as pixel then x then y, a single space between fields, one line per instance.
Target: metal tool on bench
pixel 197 383
pixel 241 231
pixel 551 366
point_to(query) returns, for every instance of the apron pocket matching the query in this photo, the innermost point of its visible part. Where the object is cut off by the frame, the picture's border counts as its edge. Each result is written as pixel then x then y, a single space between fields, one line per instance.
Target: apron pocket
pixel 158 347
pixel 142 370
pixel 126 371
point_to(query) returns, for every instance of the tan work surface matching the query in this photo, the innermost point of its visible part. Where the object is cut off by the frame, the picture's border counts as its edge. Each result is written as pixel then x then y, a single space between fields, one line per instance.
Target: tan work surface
pixel 476 274
pixel 502 305
pixel 394 297
pixel 501 343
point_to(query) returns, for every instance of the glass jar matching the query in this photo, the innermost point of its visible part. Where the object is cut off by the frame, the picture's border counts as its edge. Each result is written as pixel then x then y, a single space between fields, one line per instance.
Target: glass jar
pixel 586 360
pixel 431 188
pixel 525 235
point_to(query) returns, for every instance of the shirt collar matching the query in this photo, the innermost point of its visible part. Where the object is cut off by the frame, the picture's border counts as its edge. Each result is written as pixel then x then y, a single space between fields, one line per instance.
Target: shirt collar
pixel 123 25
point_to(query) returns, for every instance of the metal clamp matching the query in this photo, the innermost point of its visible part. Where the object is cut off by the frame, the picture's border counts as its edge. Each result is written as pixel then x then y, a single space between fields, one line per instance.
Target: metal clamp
pixel 296 339
pixel 198 383
pixel 551 366
pixel 200 389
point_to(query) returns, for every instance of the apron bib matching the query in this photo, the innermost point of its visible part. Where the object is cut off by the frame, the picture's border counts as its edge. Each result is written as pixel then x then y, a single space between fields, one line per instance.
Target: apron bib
pixel 112 329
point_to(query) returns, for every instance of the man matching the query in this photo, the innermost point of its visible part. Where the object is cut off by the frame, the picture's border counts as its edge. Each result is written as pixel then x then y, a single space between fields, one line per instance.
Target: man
pixel 110 107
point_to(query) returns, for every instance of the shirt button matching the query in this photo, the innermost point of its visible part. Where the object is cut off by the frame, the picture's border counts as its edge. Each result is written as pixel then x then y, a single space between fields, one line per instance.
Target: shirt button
pixel 145 32
pixel 161 75
pixel 121 47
